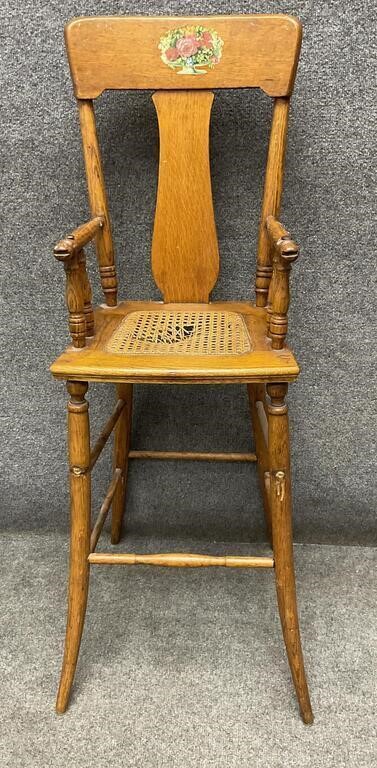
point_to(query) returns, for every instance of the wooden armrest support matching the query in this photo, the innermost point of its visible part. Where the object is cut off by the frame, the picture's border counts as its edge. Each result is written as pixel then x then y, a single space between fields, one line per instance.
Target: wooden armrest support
pixel 78 289
pixel 285 251
pixel 74 243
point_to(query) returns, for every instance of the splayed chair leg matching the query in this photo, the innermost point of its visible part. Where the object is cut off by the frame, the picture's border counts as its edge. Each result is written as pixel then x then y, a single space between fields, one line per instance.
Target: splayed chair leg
pixel 121 451
pixel 256 393
pixel 79 457
pixel 280 495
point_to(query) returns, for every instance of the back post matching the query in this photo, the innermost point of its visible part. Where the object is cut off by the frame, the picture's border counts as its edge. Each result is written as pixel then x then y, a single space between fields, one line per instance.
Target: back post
pixel 271 196
pixel 98 200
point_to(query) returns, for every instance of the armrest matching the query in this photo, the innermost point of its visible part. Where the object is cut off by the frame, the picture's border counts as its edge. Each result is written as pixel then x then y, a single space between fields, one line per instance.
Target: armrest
pixel 74 243
pixel 78 289
pixel 285 251
pixel 280 240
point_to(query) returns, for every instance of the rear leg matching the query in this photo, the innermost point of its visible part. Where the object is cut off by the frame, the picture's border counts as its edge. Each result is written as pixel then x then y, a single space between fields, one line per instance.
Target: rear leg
pixel 121 451
pixel 257 399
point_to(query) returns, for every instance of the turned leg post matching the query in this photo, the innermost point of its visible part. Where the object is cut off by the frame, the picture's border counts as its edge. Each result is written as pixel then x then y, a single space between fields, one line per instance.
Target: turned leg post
pixel 75 301
pixel 121 451
pixel 79 458
pixel 280 497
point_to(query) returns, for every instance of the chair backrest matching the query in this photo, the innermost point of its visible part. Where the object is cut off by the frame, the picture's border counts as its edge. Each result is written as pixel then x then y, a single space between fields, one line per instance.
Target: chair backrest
pixel 182 59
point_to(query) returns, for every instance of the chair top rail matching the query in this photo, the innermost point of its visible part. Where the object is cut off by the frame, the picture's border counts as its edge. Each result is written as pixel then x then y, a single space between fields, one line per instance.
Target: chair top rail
pixel 190 52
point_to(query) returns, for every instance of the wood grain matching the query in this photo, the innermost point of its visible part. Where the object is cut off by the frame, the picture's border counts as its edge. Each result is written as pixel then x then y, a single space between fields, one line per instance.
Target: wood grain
pixel 256 393
pixel 98 201
pixel 79 457
pixel 121 451
pixel 120 52
pixel 185 255
pixel 273 185
pixel 76 241
pixel 104 510
pixel 280 497
pixel 181 560
pixel 106 432
pixel 74 296
pixel 94 363
pixel 191 456
pixel 284 253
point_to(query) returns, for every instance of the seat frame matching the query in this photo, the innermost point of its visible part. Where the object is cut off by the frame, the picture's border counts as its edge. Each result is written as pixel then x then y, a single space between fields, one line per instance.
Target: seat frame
pixel 100 57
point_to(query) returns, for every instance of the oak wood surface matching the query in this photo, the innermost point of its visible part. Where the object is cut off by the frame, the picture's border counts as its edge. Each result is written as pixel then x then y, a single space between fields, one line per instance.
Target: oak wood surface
pixel 80 492
pixel 87 296
pixel 121 452
pixel 181 560
pixel 191 456
pixel 106 432
pixel 284 253
pixel 98 201
pixel 105 507
pixel 273 186
pixel 74 296
pixel 76 241
pixel 120 52
pixel 123 52
pixel 257 398
pixel 94 363
pixel 281 514
pixel 185 254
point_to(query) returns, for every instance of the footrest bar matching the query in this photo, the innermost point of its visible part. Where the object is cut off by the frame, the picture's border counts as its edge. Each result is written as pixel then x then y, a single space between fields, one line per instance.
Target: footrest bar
pixel 262 421
pixel 102 515
pixel 105 434
pixel 181 560
pixel 192 456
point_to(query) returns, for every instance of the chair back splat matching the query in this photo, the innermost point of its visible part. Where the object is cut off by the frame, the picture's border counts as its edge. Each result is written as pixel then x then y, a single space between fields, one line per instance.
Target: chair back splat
pixel 183 59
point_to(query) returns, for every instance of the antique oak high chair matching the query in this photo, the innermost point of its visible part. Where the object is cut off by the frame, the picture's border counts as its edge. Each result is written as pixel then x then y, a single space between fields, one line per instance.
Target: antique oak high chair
pixel 186 338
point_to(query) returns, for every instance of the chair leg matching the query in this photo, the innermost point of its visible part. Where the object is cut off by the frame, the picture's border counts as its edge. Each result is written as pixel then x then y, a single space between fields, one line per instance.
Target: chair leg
pixel 256 393
pixel 80 487
pixel 280 495
pixel 121 450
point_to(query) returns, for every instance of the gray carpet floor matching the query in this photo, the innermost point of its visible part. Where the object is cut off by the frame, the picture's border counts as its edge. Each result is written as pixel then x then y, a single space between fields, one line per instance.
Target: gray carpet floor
pixel 186 668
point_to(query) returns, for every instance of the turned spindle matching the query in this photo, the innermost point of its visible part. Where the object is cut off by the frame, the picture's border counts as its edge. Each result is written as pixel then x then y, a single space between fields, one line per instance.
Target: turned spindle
pixel 75 302
pixel 78 289
pixel 87 295
pixel 109 283
pixel 285 251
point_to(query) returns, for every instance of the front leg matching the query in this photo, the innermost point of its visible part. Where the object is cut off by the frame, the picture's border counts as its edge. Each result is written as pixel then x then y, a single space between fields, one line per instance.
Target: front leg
pixel 280 496
pixel 80 486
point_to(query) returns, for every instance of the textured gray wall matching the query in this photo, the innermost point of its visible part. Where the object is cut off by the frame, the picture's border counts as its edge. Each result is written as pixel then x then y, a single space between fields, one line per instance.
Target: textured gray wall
pixel 329 184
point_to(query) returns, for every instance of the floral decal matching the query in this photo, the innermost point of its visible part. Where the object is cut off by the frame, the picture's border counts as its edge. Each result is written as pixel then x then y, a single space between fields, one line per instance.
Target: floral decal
pixel 189 49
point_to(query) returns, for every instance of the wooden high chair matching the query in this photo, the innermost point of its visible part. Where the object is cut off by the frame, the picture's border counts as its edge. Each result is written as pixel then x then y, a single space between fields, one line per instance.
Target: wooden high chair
pixel 185 338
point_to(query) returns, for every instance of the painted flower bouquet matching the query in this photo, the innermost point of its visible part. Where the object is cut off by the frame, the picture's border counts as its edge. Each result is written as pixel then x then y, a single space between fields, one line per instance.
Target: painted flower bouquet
pixel 189 49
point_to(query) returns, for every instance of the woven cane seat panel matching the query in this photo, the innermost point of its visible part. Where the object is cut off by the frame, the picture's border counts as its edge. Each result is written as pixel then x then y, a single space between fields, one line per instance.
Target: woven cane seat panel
pixel 189 333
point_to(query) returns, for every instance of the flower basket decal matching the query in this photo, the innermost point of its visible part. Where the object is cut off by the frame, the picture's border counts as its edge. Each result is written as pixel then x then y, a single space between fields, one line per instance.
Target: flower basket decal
pixel 191 50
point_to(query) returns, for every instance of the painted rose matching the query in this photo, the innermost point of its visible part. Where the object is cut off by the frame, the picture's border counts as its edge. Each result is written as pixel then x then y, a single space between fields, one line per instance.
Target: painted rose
pixel 207 40
pixel 187 46
pixel 172 54
pixel 191 50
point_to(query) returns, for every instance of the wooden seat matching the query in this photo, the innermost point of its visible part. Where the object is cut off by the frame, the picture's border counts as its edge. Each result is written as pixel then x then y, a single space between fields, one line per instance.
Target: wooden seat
pixel 99 360
pixel 185 338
